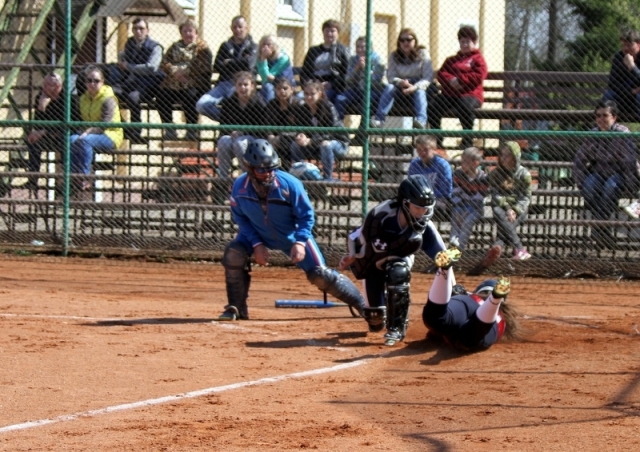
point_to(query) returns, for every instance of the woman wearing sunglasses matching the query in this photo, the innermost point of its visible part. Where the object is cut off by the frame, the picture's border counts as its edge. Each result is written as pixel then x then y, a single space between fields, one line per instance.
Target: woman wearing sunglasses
pixel 409 73
pixel 97 104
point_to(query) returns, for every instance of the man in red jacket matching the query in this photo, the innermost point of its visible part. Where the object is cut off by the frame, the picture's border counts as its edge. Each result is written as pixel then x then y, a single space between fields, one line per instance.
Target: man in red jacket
pixel 460 78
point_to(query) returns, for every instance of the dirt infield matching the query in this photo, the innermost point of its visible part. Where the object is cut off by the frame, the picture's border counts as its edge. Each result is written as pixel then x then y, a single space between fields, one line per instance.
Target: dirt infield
pixel 108 355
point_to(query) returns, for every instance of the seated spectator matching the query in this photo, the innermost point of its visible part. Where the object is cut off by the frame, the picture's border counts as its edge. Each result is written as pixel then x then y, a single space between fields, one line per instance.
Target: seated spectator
pixel 327 62
pixel 409 73
pixel 187 65
pixel 49 106
pixel 238 54
pixel 281 111
pixel 470 187
pixel 437 170
pixel 245 107
pixel 605 169
pixel 510 188
pixel 272 62
pixel 460 78
pixel 624 77
pixel 97 104
pixel 140 64
pixel 317 111
pixel 353 96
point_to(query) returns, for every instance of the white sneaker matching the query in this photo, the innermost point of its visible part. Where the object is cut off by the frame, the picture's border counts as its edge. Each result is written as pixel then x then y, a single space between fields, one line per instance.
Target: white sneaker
pixel 375 123
pixel 633 210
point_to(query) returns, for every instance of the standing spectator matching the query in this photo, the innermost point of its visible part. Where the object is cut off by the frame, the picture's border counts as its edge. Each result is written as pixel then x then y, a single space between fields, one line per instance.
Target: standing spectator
pixel 273 212
pixel 187 65
pixel 381 252
pixel 281 111
pixel 624 77
pixel 327 62
pixel 317 111
pixel 272 62
pixel 409 73
pixel 354 94
pixel 510 188
pixel 238 54
pixel 460 78
pixel 604 169
pixel 470 186
pixel 49 106
pixel 97 104
pixel 468 322
pixel 140 62
pixel 437 170
pixel 244 107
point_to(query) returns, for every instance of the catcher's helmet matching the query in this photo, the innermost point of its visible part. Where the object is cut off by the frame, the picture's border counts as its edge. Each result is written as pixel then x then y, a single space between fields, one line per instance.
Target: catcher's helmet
pixel 485 288
pixel 417 190
pixel 260 161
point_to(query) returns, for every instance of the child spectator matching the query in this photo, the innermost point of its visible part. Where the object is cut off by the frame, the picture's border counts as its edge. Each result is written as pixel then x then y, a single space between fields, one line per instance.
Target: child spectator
pixel 470 186
pixel 244 107
pixel 437 170
pixel 272 63
pixel 317 111
pixel 281 111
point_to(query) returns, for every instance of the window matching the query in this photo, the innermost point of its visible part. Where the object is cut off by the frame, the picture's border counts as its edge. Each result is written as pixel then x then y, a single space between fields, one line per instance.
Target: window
pixel 291 12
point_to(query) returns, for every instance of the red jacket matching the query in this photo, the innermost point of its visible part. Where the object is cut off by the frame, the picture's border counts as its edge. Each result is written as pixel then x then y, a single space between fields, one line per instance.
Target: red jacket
pixel 469 69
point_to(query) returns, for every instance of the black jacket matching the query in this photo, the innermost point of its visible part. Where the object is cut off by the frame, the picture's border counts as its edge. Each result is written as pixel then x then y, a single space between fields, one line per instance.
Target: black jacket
pixel 242 59
pixel 339 65
pixel 326 116
pixel 253 114
pixel 276 116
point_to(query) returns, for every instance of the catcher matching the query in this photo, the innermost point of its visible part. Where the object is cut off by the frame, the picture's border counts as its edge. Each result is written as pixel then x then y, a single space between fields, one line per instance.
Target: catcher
pixel 273 211
pixel 381 252
pixel 469 322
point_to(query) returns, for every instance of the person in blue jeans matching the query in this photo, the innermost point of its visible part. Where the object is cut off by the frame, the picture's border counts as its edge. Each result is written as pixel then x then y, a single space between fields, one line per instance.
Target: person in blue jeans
pixel 354 94
pixel 410 73
pixel 236 55
pixel 273 212
pixel 317 111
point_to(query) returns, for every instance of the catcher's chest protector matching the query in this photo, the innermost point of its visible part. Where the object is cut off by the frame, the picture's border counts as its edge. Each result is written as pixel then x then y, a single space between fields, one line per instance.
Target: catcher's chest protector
pixel 382 243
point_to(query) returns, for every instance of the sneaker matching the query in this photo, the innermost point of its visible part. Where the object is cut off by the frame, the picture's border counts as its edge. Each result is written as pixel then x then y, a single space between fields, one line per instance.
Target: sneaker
pixel 633 210
pixel 375 123
pixel 392 336
pixel 446 258
pixel 492 256
pixel 502 288
pixel 521 254
pixel 230 313
pixel 418 125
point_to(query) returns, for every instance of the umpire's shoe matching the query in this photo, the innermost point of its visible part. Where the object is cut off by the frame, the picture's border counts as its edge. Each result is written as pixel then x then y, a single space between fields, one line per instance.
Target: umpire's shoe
pixel 503 287
pixel 446 258
pixel 376 317
pixel 232 313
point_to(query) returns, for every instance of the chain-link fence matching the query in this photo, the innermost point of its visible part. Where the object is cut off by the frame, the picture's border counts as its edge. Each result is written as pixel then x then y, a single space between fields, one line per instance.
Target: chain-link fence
pixel 125 122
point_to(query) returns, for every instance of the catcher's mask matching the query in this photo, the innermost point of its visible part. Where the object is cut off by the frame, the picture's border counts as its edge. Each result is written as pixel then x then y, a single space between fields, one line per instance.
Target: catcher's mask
pixel 417 200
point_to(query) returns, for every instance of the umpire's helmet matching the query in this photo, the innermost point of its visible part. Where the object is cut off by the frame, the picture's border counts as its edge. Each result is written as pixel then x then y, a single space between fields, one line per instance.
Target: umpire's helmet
pixel 260 161
pixel 417 190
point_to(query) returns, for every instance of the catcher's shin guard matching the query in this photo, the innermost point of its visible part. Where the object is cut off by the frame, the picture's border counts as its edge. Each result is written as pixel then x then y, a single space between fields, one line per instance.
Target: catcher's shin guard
pixel 398 276
pixel 336 285
pixel 376 318
pixel 237 267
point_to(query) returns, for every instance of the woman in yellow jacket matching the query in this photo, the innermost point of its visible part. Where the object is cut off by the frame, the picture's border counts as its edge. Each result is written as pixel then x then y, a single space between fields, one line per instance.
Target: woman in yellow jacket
pixel 97 104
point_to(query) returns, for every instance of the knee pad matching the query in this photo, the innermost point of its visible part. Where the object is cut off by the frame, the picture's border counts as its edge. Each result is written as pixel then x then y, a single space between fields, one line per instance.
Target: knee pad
pixel 336 285
pixel 235 257
pixel 398 273
pixel 375 317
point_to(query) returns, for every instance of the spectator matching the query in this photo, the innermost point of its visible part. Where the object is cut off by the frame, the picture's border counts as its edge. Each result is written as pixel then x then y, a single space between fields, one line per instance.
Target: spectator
pixel 244 107
pixel 140 64
pixel 272 63
pixel 437 170
pixel 49 106
pixel 238 54
pixel 460 78
pixel 353 96
pixel 187 65
pixel 273 212
pixel 97 104
pixel 317 111
pixel 409 73
pixel 510 188
pixel 604 169
pixel 470 187
pixel 624 77
pixel 327 62
pixel 281 111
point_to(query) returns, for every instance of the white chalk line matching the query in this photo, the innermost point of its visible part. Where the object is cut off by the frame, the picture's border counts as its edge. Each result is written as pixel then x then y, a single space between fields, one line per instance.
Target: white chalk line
pixel 69 317
pixel 177 397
